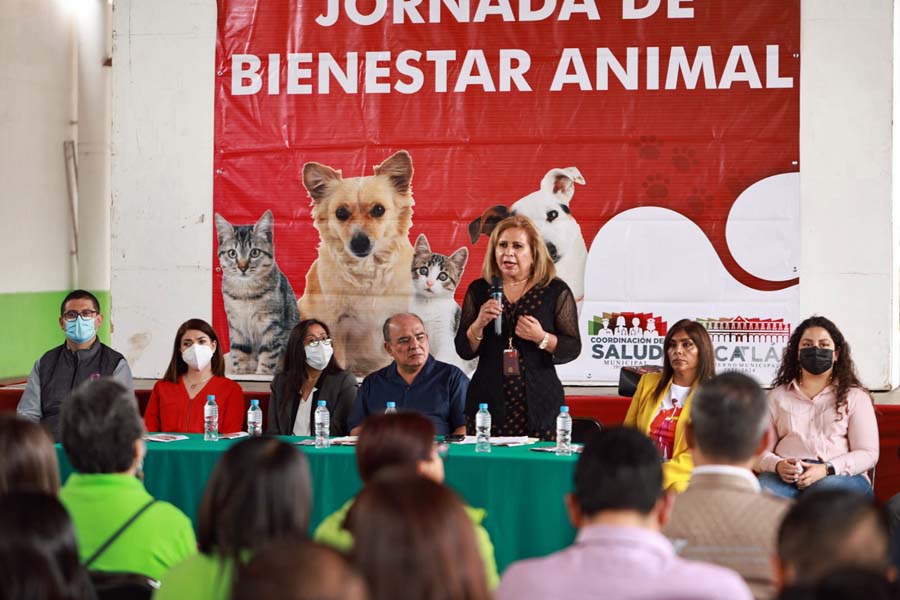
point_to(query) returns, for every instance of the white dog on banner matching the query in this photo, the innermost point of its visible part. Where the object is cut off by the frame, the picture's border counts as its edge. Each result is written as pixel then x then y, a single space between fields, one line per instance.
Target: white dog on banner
pixel 549 209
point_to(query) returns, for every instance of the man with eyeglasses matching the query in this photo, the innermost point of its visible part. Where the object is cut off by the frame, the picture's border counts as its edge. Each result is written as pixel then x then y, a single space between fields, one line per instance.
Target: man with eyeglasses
pixel 414 381
pixel 63 368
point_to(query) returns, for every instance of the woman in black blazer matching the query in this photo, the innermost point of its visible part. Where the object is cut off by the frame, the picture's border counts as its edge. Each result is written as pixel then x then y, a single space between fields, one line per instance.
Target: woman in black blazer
pixel 310 374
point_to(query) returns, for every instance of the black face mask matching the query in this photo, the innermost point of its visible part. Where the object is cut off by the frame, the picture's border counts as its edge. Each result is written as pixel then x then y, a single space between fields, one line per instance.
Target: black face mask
pixel 816 360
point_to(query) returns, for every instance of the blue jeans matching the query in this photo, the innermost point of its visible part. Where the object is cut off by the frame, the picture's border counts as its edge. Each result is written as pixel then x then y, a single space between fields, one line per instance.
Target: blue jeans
pixel 771 482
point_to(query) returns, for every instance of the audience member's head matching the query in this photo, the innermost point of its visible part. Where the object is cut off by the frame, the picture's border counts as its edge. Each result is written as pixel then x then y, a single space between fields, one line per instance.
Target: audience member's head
pixel 102 430
pixel 619 472
pixel 398 440
pixel 259 490
pixel 846 583
pixel 298 570
pixel 827 530
pixel 411 525
pixel 729 420
pixel 38 549
pixel 27 457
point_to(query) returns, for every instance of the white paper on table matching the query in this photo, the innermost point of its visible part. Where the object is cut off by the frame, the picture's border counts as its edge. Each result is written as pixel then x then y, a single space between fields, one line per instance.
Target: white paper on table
pixel 514 440
pixel 234 436
pixel 165 437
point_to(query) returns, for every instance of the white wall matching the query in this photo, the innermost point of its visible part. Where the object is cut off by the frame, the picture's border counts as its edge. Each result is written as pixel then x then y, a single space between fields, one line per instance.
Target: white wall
pixel 35 68
pixel 163 63
pixel 849 257
pixel 162 176
pixel 48 48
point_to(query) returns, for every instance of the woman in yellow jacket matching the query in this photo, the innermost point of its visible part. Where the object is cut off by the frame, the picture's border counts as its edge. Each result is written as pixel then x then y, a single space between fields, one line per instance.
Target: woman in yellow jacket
pixel 661 406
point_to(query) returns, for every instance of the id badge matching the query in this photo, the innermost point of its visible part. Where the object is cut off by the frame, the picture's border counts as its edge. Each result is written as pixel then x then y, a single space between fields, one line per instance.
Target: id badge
pixel 511 362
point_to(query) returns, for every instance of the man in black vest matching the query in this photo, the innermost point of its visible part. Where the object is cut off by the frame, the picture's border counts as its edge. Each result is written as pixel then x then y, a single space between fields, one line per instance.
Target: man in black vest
pixel 81 357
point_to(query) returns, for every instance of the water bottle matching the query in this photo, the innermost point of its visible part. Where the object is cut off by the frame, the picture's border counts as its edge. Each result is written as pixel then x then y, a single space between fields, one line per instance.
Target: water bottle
pixel 563 432
pixel 391 408
pixel 322 425
pixel 482 429
pixel 254 419
pixel 211 420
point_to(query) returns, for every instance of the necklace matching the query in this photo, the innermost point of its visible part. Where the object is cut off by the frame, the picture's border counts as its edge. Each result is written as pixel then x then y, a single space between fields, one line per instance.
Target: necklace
pixel 194 386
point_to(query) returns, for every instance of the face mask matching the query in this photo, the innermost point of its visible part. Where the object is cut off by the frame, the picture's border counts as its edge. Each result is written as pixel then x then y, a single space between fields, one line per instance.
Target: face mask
pixel 318 357
pixel 80 330
pixel 816 360
pixel 198 356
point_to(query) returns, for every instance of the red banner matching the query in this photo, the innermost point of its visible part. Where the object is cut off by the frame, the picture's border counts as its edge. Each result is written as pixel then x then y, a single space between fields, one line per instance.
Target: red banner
pixel 677 104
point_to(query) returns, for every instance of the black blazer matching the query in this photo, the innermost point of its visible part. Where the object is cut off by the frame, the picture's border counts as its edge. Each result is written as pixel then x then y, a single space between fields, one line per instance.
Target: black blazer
pixel 544 394
pixel 338 389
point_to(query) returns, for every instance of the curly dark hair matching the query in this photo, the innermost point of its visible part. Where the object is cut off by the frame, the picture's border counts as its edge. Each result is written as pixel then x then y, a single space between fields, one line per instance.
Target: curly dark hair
pixel 843 372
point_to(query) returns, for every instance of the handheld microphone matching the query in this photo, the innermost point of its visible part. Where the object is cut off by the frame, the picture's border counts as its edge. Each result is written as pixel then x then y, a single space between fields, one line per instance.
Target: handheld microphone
pixel 497 294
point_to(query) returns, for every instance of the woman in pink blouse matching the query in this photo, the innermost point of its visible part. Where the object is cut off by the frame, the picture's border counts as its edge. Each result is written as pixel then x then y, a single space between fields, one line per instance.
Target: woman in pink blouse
pixel 826 435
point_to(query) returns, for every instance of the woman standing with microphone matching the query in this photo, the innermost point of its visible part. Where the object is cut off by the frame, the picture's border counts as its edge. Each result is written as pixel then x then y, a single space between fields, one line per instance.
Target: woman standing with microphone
pixel 516 374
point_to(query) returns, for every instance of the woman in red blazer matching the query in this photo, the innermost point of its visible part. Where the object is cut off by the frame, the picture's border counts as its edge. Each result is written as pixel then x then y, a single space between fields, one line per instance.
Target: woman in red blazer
pixel 197 370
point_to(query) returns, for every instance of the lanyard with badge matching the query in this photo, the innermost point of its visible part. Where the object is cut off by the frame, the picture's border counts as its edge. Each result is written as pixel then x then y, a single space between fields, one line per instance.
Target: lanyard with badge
pixel 510 354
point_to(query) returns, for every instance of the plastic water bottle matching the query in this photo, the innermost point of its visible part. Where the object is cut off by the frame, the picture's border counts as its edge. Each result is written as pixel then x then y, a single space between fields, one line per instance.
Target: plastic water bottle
pixel 322 425
pixel 564 432
pixel 211 420
pixel 254 419
pixel 391 408
pixel 482 429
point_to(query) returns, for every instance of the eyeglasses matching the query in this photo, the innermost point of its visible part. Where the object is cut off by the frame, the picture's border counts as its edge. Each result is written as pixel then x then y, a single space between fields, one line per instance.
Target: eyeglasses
pixel 85 314
pixel 314 343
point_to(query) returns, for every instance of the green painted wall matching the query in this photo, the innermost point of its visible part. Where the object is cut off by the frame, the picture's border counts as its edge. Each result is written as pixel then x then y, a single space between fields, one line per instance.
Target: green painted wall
pixel 36 328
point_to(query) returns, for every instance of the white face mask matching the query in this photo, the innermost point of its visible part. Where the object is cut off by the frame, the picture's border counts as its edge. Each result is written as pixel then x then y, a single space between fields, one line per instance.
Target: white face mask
pixel 198 356
pixel 318 356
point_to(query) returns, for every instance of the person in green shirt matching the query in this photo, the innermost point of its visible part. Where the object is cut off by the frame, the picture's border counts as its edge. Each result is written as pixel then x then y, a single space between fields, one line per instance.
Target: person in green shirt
pixel 102 435
pixel 401 440
pixel 259 491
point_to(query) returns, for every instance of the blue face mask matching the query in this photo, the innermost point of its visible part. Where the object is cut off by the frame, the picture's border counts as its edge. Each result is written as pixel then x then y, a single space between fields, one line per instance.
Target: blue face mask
pixel 80 330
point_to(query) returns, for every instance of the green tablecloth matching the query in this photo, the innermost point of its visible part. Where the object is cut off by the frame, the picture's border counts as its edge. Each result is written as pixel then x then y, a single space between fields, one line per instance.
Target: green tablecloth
pixel 521 490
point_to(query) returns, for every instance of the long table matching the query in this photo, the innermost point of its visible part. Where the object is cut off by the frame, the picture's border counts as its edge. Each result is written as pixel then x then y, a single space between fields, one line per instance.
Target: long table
pixel 521 490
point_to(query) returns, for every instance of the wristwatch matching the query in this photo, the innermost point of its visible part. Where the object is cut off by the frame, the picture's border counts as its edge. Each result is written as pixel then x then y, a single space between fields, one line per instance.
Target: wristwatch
pixel 829 469
pixel 544 342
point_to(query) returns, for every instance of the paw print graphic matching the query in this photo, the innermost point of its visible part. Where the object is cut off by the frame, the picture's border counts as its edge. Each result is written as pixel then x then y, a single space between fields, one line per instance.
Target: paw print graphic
pixel 683 159
pixel 656 187
pixel 698 198
pixel 649 147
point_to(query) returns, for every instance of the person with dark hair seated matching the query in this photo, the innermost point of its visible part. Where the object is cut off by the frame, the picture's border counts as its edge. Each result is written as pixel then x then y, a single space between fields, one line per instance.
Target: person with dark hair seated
pixel 81 357
pixel 413 541
pixel 826 434
pixel 619 508
pixel 846 583
pixel 661 406
pixel 260 490
pixel 311 373
pixel 828 530
pixel 295 570
pixel 120 527
pixel 723 517
pixel 196 370
pixel 401 441
pixel 27 457
pixel 38 550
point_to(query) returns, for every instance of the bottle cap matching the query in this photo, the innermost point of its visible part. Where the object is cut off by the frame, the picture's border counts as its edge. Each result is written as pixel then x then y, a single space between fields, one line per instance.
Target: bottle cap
pixel 254 403
pixel 322 403
pixel 392 405
pixel 211 397
pixel 482 405
pixel 564 408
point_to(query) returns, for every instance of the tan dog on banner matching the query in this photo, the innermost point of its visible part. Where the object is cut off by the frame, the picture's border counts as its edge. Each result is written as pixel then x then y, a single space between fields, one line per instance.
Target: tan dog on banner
pixel 362 275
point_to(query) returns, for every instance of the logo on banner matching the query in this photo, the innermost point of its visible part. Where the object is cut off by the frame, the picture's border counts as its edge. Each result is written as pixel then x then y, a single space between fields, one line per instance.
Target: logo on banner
pixel 747 344
pixel 623 339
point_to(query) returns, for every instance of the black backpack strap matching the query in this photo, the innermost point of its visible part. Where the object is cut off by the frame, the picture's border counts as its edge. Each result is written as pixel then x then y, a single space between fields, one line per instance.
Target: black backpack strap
pixel 116 535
